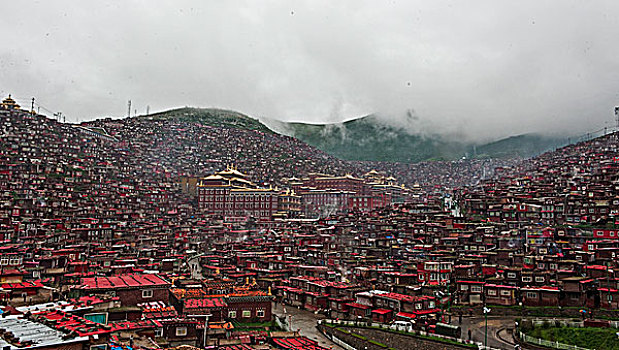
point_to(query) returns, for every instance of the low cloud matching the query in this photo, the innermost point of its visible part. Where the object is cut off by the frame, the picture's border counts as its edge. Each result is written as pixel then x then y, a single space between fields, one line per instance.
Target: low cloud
pixel 479 69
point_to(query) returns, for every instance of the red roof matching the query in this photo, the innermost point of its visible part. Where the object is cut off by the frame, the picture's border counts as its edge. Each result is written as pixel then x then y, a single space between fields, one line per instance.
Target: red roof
pixel 22 285
pixel 133 325
pixel 297 343
pixel 406 315
pixel 80 325
pixel 498 286
pixel 404 297
pixel 546 288
pixel 425 312
pixel 204 303
pixel 357 306
pixel 124 281
pixel 381 311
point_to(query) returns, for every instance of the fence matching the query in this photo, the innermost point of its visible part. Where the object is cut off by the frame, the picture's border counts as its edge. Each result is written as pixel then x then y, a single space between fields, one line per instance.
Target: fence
pixel 564 323
pixel 547 343
pixel 339 341
pixel 397 328
pixel 282 323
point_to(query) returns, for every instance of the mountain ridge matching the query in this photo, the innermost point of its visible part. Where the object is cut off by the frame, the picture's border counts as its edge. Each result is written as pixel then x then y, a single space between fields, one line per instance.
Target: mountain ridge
pixel 369 138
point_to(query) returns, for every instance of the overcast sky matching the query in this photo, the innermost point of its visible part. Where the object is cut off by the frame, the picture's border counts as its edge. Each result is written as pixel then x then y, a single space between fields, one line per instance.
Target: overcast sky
pixel 482 68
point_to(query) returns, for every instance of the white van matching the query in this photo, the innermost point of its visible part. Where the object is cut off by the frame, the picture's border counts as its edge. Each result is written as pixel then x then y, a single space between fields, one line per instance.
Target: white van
pixel 405 326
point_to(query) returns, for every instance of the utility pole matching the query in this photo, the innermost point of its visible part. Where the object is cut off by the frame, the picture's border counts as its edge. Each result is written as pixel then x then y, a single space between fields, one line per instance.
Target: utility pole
pixel 147 110
pixel 486 311
pixel 129 109
pixel 206 317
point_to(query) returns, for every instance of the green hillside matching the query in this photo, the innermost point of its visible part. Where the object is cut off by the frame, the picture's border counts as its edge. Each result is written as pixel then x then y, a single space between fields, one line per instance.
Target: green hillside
pixel 212 117
pixel 527 145
pixel 369 139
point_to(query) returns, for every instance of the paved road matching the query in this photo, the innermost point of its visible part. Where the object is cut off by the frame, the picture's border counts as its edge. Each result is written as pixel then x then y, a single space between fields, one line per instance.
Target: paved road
pixel 495 324
pixel 305 321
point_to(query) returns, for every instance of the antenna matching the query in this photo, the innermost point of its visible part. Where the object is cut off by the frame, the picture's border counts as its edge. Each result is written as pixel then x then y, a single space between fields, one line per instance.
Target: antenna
pixel 616 118
pixel 147 110
pixel 32 107
pixel 129 109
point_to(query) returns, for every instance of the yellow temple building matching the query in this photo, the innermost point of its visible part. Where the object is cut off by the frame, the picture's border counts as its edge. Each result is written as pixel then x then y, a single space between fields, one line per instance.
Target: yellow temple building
pixel 9 104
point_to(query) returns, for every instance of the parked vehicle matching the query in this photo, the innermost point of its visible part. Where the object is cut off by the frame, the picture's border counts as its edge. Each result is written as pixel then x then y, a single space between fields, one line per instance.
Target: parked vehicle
pixel 405 326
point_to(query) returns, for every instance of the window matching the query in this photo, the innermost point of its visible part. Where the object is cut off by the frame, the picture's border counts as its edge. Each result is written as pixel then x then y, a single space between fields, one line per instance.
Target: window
pixel 181 331
pixel 231 314
pixel 531 295
pixel 511 275
pixel 464 287
pixel 492 292
pixel 527 279
pixel 506 293
pixel 260 313
pixel 147 293
pixel 539 279
pixel 98 347
pixel 159 332
pixel 476 289
pixel 246 313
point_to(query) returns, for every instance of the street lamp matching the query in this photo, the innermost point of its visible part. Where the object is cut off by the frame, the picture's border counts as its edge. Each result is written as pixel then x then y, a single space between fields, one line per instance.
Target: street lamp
pixel 206 317
pixel 486 311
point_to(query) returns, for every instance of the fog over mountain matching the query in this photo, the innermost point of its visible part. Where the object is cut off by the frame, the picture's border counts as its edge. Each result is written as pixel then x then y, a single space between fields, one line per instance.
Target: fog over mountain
pixel 479 70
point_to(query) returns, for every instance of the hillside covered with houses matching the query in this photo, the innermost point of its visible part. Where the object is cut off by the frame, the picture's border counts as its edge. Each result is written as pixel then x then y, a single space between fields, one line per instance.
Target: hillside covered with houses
pixel 130 232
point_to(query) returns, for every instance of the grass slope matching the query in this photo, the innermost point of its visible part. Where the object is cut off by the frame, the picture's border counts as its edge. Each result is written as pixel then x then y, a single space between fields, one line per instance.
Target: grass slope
pixel 527 145
pixel 367 139
pixel 591 338
pixel 212 117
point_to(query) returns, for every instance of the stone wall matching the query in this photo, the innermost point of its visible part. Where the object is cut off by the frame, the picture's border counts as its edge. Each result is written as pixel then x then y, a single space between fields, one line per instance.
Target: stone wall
pixel 390 339
pixel 571 312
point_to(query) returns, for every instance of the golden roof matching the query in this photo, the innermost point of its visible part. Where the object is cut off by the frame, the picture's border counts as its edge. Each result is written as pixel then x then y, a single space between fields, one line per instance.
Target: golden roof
pixel 9 103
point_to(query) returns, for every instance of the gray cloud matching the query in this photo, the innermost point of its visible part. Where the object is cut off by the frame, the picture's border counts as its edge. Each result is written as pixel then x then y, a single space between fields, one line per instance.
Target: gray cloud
pixel 478 68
